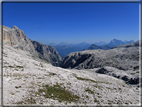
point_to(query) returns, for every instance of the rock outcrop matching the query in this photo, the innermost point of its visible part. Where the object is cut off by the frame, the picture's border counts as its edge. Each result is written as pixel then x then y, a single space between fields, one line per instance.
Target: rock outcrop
pixel 48 52
pixel 122 58
pixel 16 38
pixel 130 77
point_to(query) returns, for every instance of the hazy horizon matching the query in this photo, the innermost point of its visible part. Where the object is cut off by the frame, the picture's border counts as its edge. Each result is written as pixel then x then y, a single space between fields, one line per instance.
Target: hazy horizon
pixel 86 42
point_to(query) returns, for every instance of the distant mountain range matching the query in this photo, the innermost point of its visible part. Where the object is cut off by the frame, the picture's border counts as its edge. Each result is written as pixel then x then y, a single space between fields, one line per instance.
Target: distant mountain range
pixel 111 44
pixel 64 48
pixel 116 42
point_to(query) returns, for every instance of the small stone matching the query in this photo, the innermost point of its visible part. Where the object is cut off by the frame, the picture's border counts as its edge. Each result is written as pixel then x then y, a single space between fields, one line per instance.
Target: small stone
pixel 43 93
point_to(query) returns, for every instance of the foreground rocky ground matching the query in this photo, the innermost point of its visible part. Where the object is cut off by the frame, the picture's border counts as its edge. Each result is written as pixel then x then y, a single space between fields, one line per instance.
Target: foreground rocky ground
pixel 32 81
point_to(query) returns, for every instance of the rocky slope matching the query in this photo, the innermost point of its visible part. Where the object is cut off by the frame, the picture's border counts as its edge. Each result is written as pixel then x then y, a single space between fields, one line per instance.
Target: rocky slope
pixel 130 76
pixel 16 38
pixel 29 80
pixel 122 58
pixel 48 52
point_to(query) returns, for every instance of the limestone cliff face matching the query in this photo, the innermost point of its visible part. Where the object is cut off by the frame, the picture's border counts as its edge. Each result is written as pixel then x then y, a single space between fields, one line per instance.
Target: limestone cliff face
pixel 48 52
pixel 16 38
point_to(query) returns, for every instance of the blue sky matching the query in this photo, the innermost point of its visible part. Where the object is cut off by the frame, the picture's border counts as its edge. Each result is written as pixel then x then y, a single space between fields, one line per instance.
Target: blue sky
pixel 74 22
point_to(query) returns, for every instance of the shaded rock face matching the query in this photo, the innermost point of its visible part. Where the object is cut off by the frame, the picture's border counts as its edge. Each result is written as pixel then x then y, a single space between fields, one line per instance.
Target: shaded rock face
pixel 103 71
pixel 124 75
pixel 48 52
pixel 121 58
pixel 70 61
pixel 16 38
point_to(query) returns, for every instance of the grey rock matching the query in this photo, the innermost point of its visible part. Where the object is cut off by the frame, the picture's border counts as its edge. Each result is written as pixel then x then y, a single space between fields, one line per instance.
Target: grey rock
pixel 124 75
pixel 16 38
pixel 134 80
pixel 102 71
pixel 122 58
pixel 48 52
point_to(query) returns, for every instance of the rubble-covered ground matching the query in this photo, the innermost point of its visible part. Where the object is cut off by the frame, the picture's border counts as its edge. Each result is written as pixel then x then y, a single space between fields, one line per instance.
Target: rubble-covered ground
pixel 28 80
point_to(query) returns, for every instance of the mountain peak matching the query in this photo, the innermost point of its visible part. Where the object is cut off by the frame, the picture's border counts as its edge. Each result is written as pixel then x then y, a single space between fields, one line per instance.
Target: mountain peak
pixel 15 27
pixel 116 40
pixel 16 38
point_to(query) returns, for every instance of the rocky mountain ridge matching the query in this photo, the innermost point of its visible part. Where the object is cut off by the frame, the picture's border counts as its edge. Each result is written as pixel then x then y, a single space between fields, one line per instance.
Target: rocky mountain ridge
pixel 122 58
pixel 48 52
pixel 94 47
pixel 16 38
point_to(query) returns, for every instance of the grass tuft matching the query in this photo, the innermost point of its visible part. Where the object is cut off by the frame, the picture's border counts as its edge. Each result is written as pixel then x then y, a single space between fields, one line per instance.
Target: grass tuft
pixel 11 66
pixel 89 91
pixel 52 74
pixel 59 93
pixel 79 78
pixel 19 67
